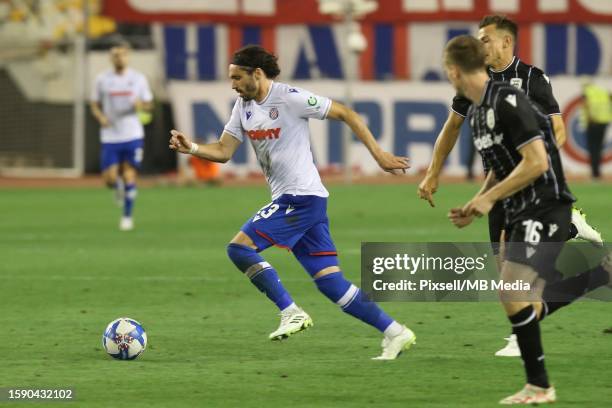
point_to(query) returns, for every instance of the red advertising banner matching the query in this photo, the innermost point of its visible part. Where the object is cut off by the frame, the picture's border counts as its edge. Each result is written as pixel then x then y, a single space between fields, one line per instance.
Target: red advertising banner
pixel 273 12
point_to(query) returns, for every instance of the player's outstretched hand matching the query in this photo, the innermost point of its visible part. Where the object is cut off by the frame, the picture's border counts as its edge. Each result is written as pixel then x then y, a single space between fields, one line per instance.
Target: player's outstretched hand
pixel 428 188
pixel 179 142
pixel 392 163
pixel 458 218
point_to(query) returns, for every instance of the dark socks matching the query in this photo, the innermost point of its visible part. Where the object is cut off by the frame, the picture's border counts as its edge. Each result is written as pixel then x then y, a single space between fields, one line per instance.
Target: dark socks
pixel 527 329
pixel 562 293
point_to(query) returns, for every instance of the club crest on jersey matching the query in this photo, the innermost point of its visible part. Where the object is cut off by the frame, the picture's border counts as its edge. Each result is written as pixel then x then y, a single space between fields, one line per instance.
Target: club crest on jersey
pixel 273 113
pixel 490 119
pixel 516 82
pixel 249 114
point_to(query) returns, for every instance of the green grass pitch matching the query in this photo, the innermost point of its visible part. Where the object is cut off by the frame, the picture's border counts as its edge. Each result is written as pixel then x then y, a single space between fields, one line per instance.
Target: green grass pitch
pixel 66 271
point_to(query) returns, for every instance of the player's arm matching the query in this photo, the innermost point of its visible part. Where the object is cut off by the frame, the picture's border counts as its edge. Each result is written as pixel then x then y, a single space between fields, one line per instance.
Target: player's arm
pixel 559 129
pixel 144 103
pixel 220 151
pixel 532 166
pixel 540 91
pixel 444 145
pixel 387 161
pixel 145 106
pixel 96 111
pixel 520 124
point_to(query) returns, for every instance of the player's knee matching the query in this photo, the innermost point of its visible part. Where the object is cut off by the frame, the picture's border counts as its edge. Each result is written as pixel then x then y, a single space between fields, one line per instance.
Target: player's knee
pixel 244 257
pixel 317 264
pixel 326 271
pixel 130 174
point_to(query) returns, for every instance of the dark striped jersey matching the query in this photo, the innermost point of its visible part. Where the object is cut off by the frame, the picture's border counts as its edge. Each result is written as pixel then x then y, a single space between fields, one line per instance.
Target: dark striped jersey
pixel 530 79
pixel 502 123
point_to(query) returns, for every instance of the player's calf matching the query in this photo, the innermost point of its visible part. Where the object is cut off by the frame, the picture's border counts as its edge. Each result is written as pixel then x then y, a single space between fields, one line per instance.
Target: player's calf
pixel 261 274
pixel 265 278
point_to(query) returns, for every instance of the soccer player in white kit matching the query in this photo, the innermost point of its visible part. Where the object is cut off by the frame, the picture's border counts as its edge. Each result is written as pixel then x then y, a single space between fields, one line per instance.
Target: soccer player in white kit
pixel 274 117
pixel 119 94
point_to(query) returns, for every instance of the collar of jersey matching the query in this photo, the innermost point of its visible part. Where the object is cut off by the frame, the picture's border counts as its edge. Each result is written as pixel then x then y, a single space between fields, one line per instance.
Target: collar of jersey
pixel 267 95
pixel 506 67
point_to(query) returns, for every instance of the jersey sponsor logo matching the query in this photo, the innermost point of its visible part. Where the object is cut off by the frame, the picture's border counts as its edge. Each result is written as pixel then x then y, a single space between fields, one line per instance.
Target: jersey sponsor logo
pixel 312 101
pixel 490 119
pixel 120 93
pixel 261 134
pixel 516 82
pixel 293 90
pixel 552 228
pixel 273 113
pixel 289 209
pixel 487 140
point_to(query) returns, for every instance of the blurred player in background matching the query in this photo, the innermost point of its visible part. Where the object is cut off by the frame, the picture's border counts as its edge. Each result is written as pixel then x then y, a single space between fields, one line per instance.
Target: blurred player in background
pixel 274 117
pixel 498 35
pixel 517 144
pixel 121 97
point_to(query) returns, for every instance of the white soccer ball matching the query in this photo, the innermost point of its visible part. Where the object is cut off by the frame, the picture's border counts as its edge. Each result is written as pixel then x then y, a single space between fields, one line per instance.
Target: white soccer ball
pixel 124 339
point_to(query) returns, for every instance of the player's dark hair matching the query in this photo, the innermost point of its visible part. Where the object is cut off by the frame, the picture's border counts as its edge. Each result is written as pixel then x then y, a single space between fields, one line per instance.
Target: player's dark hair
pixel 252 57
pixel 501 23
pixel 466 52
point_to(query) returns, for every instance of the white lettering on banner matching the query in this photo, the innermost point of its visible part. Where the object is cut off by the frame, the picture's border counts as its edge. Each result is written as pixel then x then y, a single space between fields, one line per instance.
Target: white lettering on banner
pixel 597 6
pixel 258 7
pixel 261 7
pixel 420 5
pixel 508 6
pixel 504 6
pixel 458 5
pixel 553 6
pixel 432 5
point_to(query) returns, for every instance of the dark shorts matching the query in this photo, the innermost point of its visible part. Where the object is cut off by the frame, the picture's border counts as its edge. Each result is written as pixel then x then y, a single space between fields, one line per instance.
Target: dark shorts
pixel 116 153
pixel 298 223
pixel 497 224
pixel 536 237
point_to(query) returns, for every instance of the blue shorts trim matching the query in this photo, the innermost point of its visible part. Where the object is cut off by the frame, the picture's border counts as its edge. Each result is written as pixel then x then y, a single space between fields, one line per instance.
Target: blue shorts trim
pixel 116 153
pixel 297 223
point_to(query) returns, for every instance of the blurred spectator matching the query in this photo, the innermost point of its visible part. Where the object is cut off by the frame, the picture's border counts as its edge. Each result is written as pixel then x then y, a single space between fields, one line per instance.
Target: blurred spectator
pixel 598 114
pixel 28 27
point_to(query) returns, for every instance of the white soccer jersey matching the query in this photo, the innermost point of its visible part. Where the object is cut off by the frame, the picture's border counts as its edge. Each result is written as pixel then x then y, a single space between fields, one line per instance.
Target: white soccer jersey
pixel 117 94
pixel 278 130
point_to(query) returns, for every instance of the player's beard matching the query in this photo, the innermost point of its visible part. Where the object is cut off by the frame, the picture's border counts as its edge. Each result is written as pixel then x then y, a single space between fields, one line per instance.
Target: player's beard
pixel 249 93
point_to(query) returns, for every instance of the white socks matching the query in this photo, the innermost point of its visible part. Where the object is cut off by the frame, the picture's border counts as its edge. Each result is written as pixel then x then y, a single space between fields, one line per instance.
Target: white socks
pixel 292 306
pixel 394 329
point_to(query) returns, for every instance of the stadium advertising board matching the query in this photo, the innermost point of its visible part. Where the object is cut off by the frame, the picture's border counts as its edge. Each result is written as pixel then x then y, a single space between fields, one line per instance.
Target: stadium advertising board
pixel 306 11
pixel 405 118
